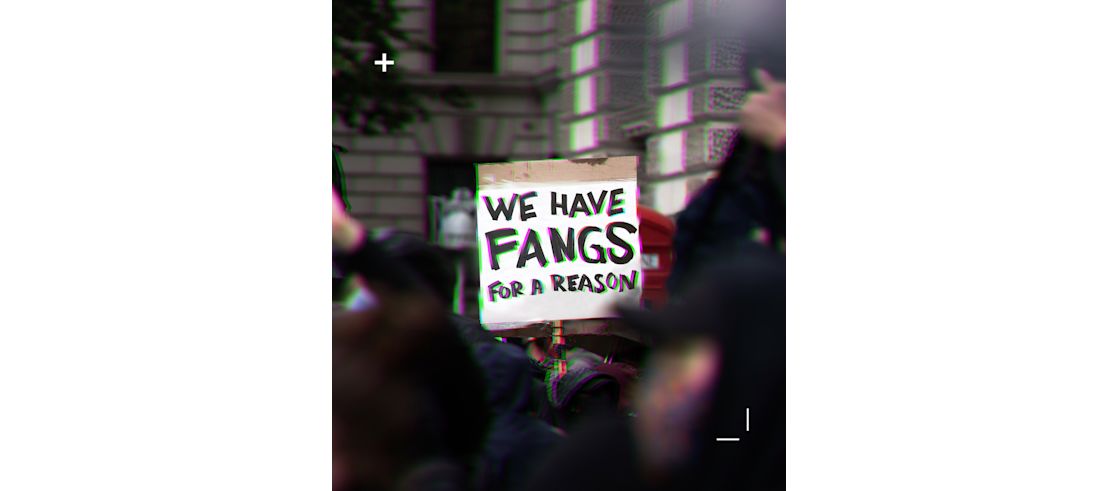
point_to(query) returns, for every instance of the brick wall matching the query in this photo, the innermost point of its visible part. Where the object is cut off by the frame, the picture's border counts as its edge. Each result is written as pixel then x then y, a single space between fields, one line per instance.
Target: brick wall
pixel 386 188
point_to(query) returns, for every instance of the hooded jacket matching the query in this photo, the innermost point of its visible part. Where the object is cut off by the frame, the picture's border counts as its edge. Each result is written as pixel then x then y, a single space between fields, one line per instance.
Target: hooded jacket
pixel 517 441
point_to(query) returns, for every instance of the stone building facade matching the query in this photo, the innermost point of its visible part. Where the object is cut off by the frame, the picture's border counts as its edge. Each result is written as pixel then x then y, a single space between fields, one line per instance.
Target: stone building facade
pixel 565 78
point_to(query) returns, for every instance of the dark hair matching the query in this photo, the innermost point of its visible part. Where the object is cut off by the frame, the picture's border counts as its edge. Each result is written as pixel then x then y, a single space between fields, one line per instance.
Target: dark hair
pixel 426 260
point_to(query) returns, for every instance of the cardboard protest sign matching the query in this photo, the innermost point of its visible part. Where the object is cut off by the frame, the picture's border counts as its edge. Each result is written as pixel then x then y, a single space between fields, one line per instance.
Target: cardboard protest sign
pixel 559 239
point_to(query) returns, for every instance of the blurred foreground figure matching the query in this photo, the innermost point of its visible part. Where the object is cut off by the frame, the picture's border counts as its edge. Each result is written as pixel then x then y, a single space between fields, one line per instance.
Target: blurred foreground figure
pixel 516 439
pixel 746 201
pixel 721 352
pixel 409 408
pixel 408 398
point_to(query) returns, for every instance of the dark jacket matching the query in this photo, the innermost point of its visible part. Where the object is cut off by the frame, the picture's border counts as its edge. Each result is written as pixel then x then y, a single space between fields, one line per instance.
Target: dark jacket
pixel 471 331
pixel 729 213
pixel 517 441
pixel 742 308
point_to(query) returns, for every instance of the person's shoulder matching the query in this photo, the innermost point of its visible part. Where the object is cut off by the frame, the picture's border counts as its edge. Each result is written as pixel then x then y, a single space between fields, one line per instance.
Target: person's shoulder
pixel 471 330
pixel 697 205
pixel 600 454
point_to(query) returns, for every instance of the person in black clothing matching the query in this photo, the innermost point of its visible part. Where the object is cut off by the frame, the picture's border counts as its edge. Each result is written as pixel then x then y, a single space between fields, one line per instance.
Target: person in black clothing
pixel 409 402
pixel 717 370
pixel 517 440
pixel 746 202
pixel 720 356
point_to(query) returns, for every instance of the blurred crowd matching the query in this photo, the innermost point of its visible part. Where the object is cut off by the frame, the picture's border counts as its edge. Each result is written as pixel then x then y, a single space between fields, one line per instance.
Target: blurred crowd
pixel 426 399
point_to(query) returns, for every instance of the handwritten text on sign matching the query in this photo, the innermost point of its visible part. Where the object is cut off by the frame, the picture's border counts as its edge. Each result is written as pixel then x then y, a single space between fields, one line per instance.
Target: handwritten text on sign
pixel 554 251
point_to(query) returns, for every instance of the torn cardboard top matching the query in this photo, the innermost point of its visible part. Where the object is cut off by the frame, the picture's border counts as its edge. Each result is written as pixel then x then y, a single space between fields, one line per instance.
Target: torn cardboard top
pixel 558 170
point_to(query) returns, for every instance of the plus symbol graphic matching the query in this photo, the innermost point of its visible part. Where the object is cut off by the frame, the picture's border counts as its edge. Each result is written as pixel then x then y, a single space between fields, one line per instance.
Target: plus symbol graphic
pixel 383 62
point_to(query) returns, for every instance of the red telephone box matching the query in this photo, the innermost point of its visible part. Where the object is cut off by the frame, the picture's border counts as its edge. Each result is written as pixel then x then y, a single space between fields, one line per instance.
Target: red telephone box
pixel 656 235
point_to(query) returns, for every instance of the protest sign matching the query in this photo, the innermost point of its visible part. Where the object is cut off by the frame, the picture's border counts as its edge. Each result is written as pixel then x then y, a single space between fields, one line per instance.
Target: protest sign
pixel 559 239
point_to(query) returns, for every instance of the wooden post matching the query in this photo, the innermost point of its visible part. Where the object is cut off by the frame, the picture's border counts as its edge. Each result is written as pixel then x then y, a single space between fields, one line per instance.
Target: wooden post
pixel 558 346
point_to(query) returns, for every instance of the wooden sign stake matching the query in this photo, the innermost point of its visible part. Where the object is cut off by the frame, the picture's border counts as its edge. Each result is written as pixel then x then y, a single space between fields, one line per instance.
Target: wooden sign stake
pixel 558 345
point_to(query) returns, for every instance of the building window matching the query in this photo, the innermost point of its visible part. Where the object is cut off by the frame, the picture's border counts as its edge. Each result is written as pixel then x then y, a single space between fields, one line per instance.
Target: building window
pixel 583 134
pixel 586 16
pixel 671 153
pixel 444 175
pixel 465 36
pixel 674 64
pixel 584 55
pixel 584 94
pixel 674 17
pixel 674 108
pixel 670 196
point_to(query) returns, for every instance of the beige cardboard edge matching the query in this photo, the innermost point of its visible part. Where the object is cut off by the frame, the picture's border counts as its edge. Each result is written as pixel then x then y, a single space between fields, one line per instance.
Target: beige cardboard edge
pixel 621 168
